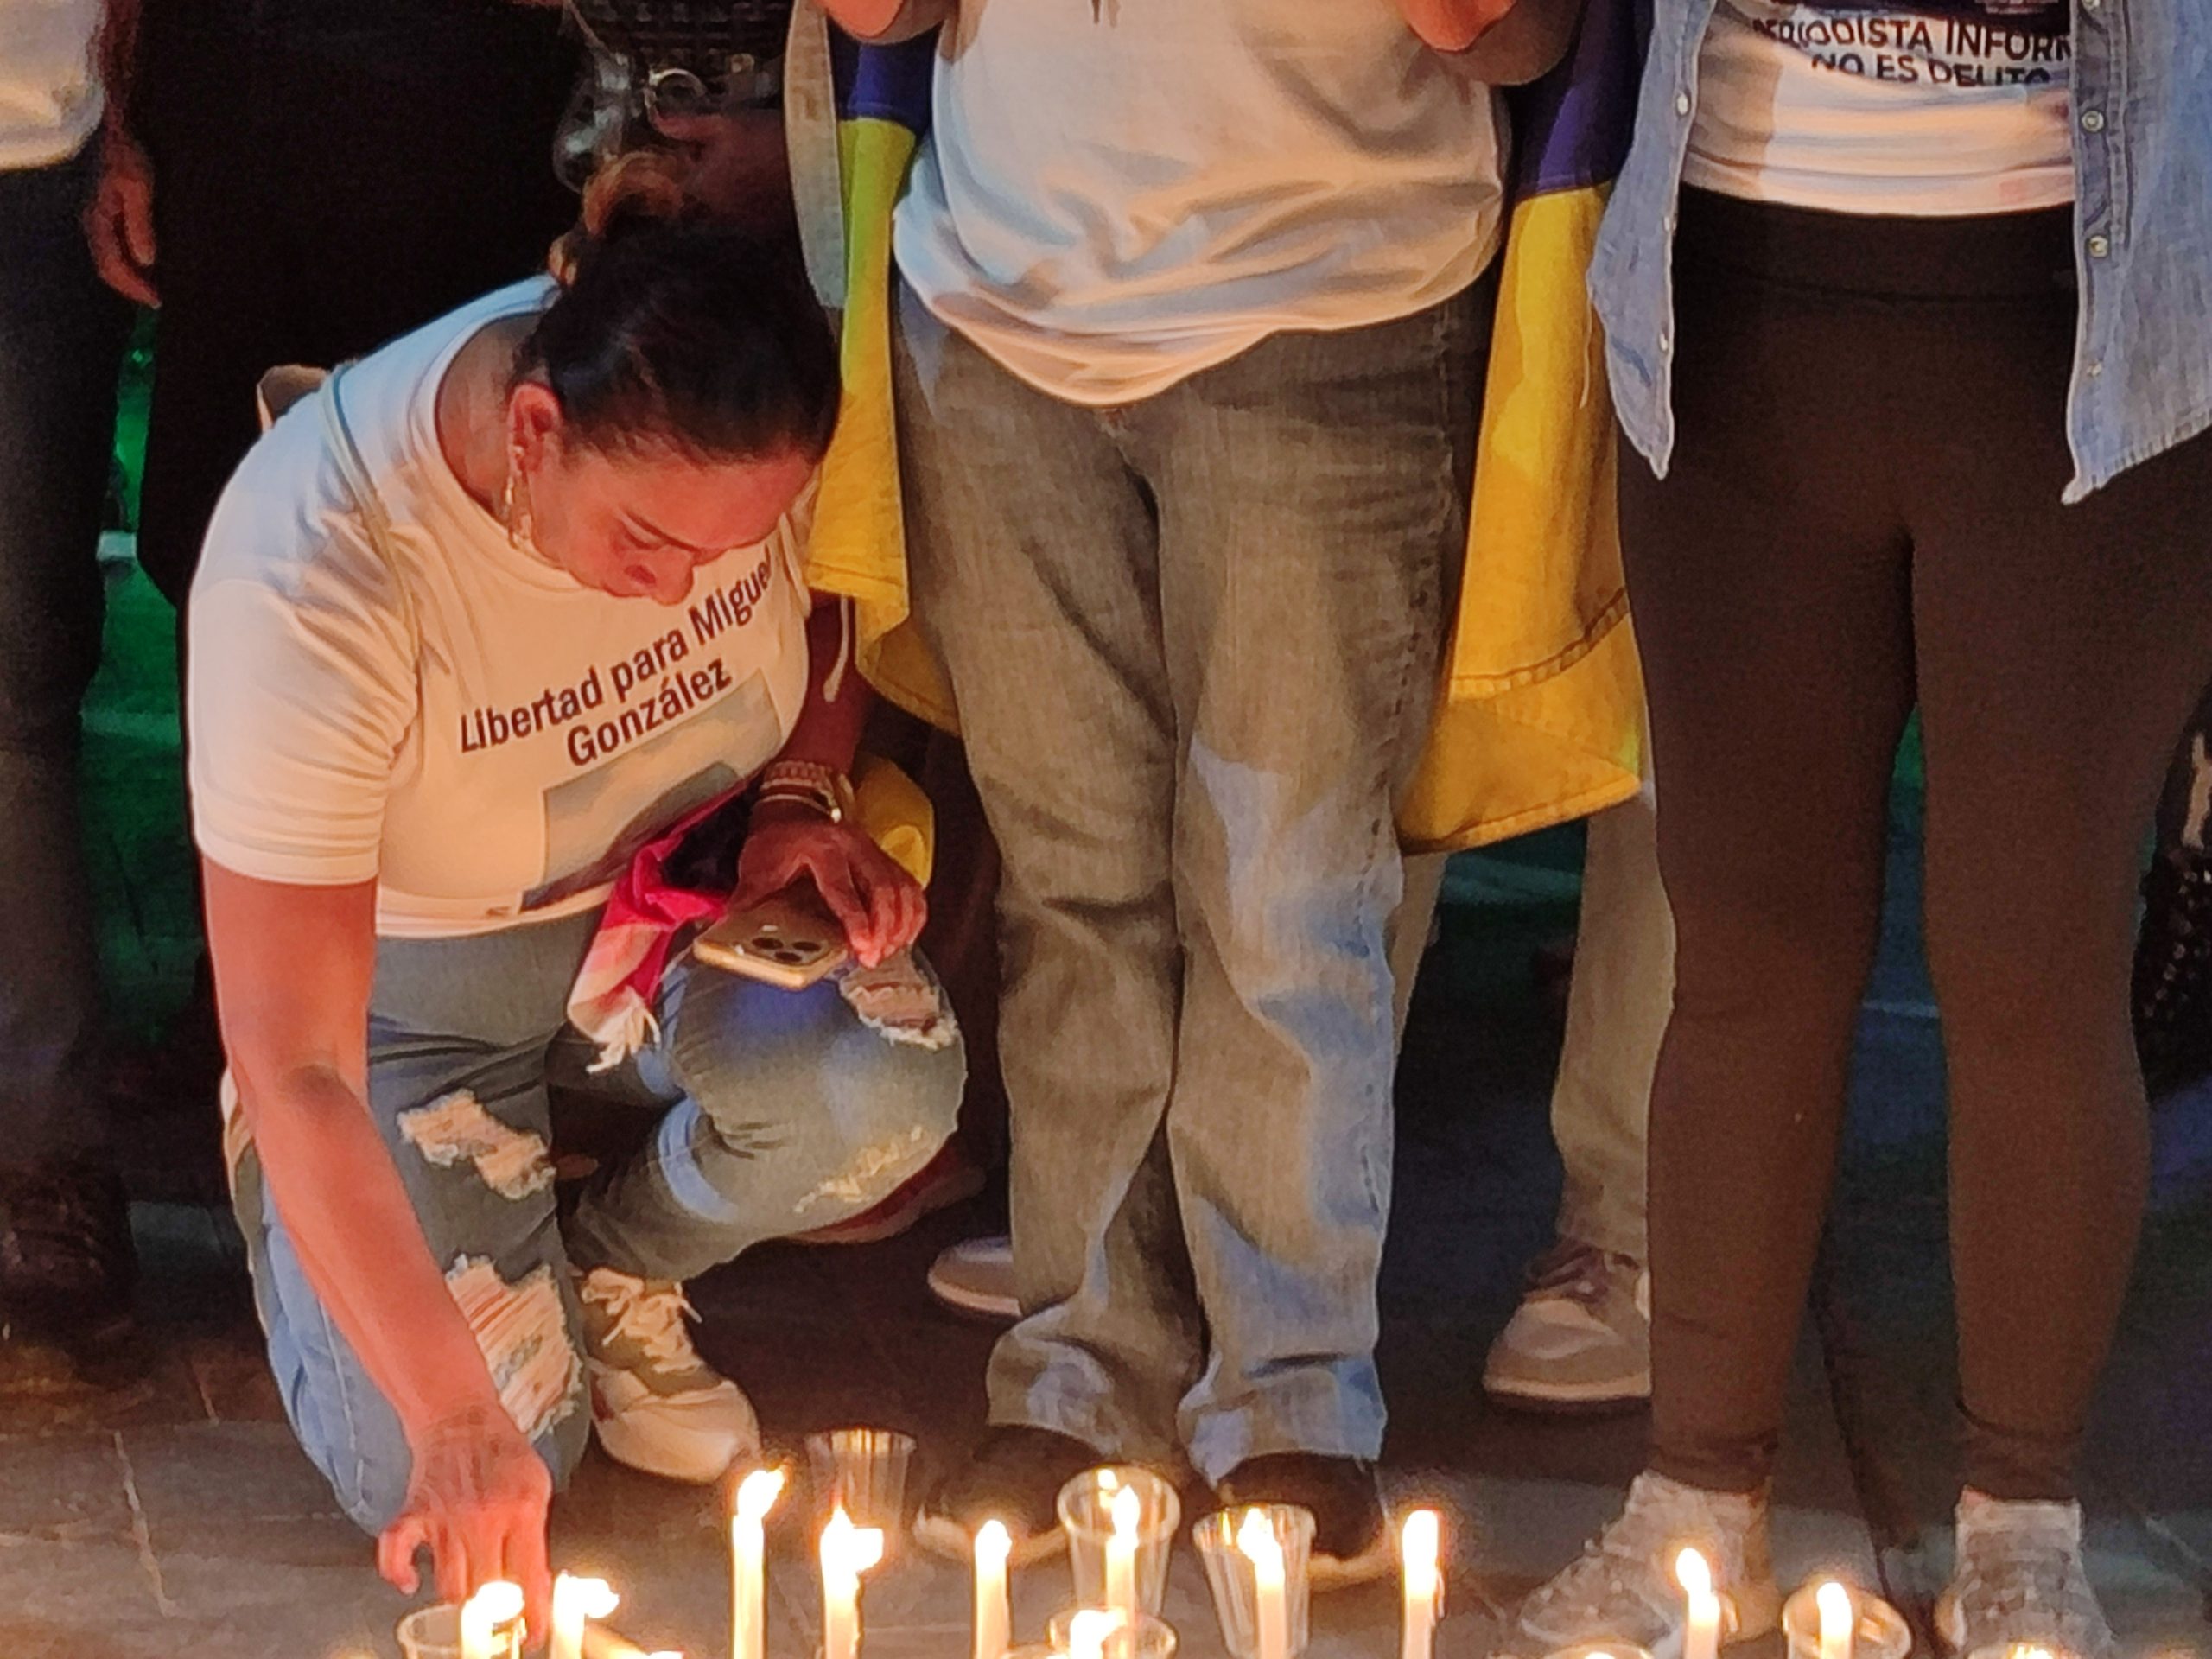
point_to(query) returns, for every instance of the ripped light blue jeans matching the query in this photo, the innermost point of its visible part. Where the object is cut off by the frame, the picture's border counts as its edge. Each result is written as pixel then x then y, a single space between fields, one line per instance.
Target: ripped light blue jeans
pixel 781 1111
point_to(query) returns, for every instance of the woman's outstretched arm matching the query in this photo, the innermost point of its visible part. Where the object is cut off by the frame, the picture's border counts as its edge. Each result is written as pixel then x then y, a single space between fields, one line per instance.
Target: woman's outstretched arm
pixel 293 970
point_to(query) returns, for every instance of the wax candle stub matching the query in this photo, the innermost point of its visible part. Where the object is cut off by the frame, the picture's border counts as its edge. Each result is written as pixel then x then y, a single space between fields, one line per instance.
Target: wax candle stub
pixel 994 1613
pixel 748 1546
pixel 1701 1627
pixel 846 1551
pixel 1839 1620
pixel 1420 1545
pixel 1255 1537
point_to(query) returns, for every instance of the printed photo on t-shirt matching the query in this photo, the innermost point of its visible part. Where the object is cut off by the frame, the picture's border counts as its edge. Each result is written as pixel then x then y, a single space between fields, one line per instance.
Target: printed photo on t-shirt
pixel 593 826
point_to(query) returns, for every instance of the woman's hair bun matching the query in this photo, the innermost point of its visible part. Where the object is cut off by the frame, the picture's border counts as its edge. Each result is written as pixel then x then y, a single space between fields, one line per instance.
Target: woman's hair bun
pixel 638 189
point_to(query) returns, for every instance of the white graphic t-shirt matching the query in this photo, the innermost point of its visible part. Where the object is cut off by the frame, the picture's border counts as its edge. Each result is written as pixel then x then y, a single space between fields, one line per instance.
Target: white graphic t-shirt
pixel 1113 197
pixel 501 755
pixel 1929 107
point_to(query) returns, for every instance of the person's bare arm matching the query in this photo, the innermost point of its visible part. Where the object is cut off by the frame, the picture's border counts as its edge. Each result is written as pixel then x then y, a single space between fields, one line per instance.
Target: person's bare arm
pixel 882 21
pixel 293 968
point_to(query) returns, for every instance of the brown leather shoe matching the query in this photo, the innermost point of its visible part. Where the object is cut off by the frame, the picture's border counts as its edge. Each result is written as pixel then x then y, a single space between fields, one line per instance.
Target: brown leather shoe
pixel 67 1266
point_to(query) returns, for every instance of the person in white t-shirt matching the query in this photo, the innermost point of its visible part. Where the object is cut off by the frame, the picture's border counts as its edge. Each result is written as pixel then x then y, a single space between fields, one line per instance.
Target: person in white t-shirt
pixel 497 605
pixel 66 1260
pixel 1189 352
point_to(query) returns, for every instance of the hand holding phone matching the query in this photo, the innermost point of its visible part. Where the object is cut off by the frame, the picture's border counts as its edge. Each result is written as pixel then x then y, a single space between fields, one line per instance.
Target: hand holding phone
pixel 789 938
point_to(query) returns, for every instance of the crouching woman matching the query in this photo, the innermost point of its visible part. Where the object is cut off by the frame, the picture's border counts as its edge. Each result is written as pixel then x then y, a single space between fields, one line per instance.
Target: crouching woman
pixel 495 608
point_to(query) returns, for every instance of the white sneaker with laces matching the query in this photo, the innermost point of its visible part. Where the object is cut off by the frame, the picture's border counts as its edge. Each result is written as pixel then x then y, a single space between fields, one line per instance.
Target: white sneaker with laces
pixel 976 1276
pixel 1623 1589
pixel 656 1405
pixel 1581 1337
pixel 2019 1581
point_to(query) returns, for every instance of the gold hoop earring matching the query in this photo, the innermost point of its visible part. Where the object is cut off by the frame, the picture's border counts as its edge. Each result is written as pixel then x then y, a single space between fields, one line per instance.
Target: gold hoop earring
pixel 514 506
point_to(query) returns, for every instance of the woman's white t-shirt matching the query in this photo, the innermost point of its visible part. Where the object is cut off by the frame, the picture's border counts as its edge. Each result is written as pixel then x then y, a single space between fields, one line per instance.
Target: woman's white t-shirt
pixel 500 757
pixel 1931 108
pixel 1116 195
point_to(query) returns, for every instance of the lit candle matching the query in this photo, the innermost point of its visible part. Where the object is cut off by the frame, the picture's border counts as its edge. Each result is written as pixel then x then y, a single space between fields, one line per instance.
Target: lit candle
pixel 748 1547
pixel 486 1618
pixel 1701 1636
pixel 1087 1633
pixel 994 1616
pixel 1839 1620
pixel 848 1551
pixel 1256 1538
pixel 575 1600
pixel 1419 1546
pixel 1126 1512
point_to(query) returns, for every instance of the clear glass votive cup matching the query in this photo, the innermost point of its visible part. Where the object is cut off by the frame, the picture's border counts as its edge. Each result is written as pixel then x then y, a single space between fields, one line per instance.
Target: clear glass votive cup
pixel 1086 1510
pixel 433 1632
pixel 1232 1577
pixel 865 1469
pixel 1154 1638
pixel 1881 1632
pixel 1601 1650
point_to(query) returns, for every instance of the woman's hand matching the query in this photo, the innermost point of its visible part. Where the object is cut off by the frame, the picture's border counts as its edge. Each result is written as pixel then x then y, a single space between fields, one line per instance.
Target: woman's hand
pixel 478 1498
pixel 119 220
pixel 880 907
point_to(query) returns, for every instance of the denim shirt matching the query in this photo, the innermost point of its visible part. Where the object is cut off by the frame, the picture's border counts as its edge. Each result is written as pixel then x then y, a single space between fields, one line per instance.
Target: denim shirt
pixel 2142 92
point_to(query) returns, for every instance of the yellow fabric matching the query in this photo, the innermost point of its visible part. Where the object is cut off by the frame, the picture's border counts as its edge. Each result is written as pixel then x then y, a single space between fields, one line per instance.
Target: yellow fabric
pixel 1540 716
pixel 896 814
pixel 858 547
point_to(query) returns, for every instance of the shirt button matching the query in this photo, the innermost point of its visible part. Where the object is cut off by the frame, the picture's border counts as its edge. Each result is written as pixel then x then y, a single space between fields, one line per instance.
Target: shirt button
pixel 2093 120
pixel 1666 344
pixel 2091 5
pixel 1681 103
pixel 2095 370
pixel 2100 245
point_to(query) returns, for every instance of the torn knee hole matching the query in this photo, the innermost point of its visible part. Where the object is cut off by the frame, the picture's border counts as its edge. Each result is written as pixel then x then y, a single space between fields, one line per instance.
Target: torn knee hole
pixel 872 1173
pixel 902 1000
pixel 522 1330
pixel 457 1130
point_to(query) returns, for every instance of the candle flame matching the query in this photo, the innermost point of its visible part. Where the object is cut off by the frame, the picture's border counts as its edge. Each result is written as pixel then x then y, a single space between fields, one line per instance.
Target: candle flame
pixel 593 1598
pixel 1127 1511
pixel 1839 1612
pixel 757 1494
pixel 1420 1541
pixel 1255 1537
pixel 497 1603
pixel 1088 1630
pixel 849 1549
pixel 1693 1574
pixel 994 1544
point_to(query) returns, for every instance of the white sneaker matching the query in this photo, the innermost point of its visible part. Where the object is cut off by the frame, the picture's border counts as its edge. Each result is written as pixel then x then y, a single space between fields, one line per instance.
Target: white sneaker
pixel 1581 1337
pixel 976 1276
pixel 1623 1589
pixel 2019 1582
pixel 656 1405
